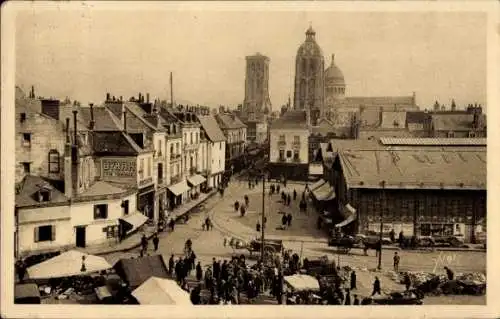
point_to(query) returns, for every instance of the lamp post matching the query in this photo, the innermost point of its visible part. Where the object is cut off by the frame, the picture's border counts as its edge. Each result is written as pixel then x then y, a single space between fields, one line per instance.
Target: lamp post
pixel 382 204
pixel 263 216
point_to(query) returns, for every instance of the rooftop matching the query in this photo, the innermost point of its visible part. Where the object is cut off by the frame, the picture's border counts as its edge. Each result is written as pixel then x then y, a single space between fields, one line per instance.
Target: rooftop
pixel 30 185
pixel 291 120
pixel 211 127
pixel 415 168
pixel 433 141
pixel 116 143
pixel 229 121
pixel 452 122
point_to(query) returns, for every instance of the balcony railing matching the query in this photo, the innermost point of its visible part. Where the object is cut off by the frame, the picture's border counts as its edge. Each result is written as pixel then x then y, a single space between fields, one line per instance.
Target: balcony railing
pixel 281 143
pixel 296 144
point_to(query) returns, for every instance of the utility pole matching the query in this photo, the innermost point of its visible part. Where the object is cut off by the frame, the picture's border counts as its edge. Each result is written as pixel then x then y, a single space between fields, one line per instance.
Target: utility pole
pixel 263 224
pixel 382 204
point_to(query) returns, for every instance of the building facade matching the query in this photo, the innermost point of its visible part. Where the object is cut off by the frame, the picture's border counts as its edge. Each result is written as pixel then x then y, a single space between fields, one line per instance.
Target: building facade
pixel 216 150
pixel 235 132
pixel 257 99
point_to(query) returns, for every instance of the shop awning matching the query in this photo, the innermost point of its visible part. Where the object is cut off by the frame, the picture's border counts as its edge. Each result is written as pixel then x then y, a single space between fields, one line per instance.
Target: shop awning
pixel 179 188
pixel 161 291
pixel 317 184
pixel 315 169
pixel 196 180
pixel 324 192
pixel 351 216
pixel 68 264
pixel 131 222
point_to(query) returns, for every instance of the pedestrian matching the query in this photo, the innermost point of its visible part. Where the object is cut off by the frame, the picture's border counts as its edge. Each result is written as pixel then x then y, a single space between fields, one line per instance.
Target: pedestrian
pixel 376 287
pixel 156 241
pixel 144 244
pixel 347 300
pixel 289 220
pixel 378 248
pixel 249 184
pixel 284 220
pixel 355 301
pixel 294 194
pixel 172 224
pixel 236 206
pixel 278 188
pixel 171 264
pixel 246 200
pixel 407 282
pixel 353 280
pixel 257 227
pixel 396 262
pixel 195 295
pixel 203 226
pixel 392 235
pixel 284 182
pixel 401 238
pixel 199 272
pixel 449 273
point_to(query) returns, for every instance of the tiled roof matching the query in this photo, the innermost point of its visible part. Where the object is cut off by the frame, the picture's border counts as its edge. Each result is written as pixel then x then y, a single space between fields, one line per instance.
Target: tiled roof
pixel 29 187
pixel 211 127
pixel 452 122
pixel 82 117
pixel 139 118
pixel 115 143
pixel 291 120
pixel 361 144
pixel 168 116
pixel 415 169
pixel 104 120
pixel 433 141
pixel 101 188
pixel 419 117
pixel 324 127
pixel 229 121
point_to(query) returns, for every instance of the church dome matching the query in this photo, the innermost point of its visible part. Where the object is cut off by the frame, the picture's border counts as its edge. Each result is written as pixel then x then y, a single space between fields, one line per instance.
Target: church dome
pixel 310 47
pixel 333 75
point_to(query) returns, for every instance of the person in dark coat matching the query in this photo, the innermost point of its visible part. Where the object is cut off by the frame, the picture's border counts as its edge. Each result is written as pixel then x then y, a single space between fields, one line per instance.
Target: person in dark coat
pixel 278 188
pixel 178 270
pixel 171 264
pixel 208 278
pixel 196 295
pixel 401 238
pixel 199 272
pixel 224 270
pixel 288 200
pixel 257 227
pixel 21 270
pixel 376 287
pixel 289 220
pixel 355 301
pixel 246 200
pixel 144 243
pixel 353 280
pixel 392 235
pixel 156 241
pixel 284 220
pixel 449 273
pixel 347 300
pixel 396 262
pixel 407 281
pixel 294 194
pixel 216 269
pixel 172 224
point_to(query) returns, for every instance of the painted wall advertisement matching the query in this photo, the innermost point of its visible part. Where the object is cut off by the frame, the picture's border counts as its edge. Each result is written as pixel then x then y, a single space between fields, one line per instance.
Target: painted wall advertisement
pixel 126 168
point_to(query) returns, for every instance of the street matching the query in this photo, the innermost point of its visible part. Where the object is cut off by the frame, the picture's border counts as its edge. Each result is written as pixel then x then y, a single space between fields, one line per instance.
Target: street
pixel 302 237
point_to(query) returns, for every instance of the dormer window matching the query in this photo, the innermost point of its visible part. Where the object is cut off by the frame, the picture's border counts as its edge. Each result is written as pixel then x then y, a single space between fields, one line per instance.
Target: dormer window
pixel 43 195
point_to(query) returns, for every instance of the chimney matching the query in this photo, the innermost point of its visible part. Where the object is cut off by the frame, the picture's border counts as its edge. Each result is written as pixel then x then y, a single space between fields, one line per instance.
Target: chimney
pixel 75 127
pixel 92 122
pixel 140 97
pixel 121 98
pixel 68 179
pixel 32 92
pixel 125 121
pixel 147 97
pixel 108 96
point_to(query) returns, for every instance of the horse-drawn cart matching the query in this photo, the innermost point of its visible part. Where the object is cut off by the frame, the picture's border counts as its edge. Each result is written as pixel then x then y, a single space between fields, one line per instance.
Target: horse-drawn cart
pixel 271 247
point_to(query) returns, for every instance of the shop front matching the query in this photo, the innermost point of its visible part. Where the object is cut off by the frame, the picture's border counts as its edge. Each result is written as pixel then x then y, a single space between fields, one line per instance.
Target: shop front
pixel 175 193
pixel 146 201
pixel 195 182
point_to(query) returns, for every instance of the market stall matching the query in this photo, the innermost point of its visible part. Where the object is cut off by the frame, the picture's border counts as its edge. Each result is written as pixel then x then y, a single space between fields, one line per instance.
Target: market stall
pixel 161 291
pixel 70 263
pixel 298 283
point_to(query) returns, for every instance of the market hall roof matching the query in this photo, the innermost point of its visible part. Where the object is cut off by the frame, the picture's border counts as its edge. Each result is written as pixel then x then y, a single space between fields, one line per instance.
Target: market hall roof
pixel 211 127
pixel 418 168
pixel 292 119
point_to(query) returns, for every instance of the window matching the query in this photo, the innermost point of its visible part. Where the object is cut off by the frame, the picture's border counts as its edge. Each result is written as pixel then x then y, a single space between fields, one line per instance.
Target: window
pixel 451 134
pixel 220 146
pixel 172 150
pixel 149 167
pixel 282 138
pixel 45 233
pixel 43 195
pixel 296 139
pixel 185 138
pixel 296 155
pixel 22 117
pixel 191 138
pixel 27 139
pixel 111 231
pixel 53 161
pixel 125 207
pixel 282 155
pixel 27 168
pixel 141 169
pixel 288 154
pixel 159 148
pixel 177 148
pixel 101 211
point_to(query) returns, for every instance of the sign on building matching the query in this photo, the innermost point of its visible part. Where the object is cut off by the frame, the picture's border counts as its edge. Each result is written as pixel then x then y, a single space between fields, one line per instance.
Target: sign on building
pixel 119 168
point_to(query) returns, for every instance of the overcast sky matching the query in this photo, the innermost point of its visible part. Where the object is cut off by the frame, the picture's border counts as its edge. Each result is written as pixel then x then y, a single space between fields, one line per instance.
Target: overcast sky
pixel 83 54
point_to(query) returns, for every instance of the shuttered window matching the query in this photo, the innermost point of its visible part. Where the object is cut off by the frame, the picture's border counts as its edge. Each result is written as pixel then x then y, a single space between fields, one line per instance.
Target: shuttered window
pixel 54 161
pixel 45 233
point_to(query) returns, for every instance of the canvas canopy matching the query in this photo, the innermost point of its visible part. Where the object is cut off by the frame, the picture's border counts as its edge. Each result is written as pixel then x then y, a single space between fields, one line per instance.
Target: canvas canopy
pixel 68 264
pixel 161 291
pixel 302 283
pixel 350 212
pixel 136 271
pixel 131 223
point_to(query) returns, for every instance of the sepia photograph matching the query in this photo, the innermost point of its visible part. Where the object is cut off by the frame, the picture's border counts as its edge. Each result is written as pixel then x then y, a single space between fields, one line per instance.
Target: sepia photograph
pixel 237 154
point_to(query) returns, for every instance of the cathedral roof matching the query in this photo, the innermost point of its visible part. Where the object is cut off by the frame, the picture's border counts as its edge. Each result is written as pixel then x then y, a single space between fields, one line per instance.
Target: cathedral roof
pixel 310 47
pixel 333 75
